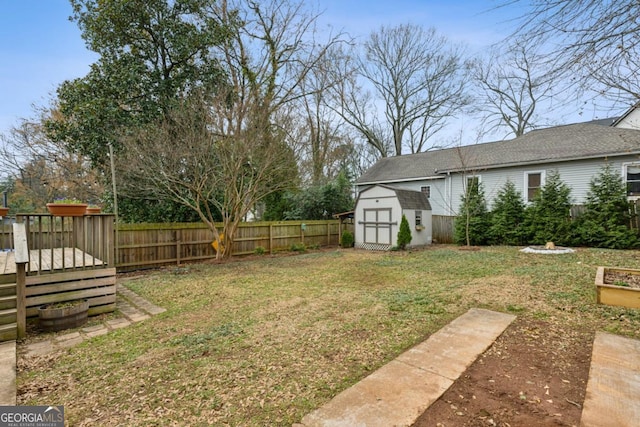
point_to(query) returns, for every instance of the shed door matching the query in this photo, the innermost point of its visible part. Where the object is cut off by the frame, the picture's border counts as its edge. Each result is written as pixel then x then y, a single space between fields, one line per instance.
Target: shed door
pixel 377 226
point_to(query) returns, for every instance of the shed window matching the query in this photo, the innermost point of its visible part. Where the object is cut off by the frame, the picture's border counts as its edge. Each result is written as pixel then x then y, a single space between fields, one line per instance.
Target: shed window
pixel 533 183
pixel 418 217
pixel 426 190
pixel 633 180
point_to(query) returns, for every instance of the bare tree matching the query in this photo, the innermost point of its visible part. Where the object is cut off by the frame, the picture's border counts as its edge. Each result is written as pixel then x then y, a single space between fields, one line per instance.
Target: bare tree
pixel 192 158
pixel 355 104
pixel 226 150
pixel 324 141
pixel 417 76
pixel 511 85
pixel 44 170
pixel 595 42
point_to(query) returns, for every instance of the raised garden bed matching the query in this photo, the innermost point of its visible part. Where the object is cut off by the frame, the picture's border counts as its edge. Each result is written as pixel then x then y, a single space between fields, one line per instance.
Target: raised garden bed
pixel 618 286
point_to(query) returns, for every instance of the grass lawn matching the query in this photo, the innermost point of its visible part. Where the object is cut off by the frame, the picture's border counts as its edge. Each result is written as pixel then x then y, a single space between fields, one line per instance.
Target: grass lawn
pixel 263 342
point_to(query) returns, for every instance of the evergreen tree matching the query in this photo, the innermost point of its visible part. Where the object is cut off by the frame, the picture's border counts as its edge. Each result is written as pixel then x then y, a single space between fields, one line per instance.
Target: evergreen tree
pixel 404 234
pixel 507 217
pixel 605 223
pixel 548 217
pixel 472 223
pixel 320 201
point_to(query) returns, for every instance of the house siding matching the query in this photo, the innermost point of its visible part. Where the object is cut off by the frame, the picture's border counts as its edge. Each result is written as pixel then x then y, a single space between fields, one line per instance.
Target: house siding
pixel 446 193
pixel 631 120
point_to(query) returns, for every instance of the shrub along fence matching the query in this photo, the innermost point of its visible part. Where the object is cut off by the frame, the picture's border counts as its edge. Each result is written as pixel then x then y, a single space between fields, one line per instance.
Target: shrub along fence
pixel 443 225
pixel 149 245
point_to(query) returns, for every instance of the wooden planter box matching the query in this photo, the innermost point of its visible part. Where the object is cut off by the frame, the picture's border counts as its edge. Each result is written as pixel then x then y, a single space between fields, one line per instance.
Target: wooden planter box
pixel 57 319
pixel 67 209
pixel 621 296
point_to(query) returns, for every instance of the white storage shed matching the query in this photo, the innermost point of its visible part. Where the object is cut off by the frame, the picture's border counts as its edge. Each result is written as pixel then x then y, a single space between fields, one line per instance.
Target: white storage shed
pixel 378 214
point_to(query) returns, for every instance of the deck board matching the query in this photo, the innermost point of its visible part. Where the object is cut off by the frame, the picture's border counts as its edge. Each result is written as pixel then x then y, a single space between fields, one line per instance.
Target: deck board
pixel 62 258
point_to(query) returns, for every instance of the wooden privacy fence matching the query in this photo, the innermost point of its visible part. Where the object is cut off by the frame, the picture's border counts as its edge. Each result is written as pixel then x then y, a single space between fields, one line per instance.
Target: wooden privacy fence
pixel 442 228
pixel 148 245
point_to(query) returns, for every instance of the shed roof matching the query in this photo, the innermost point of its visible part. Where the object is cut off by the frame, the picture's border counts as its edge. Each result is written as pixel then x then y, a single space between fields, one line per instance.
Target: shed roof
pixel 409 199
pixel 561 143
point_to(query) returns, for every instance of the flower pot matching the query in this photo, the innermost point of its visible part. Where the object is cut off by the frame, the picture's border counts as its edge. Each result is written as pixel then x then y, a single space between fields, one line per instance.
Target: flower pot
pixel 67 209
pixel 73 315
pixel 93 210
pixel 4 211
pixel 618 286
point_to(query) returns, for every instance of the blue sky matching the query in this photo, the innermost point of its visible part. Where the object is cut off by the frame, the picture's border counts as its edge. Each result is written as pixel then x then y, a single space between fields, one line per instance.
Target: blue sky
pixel 40 47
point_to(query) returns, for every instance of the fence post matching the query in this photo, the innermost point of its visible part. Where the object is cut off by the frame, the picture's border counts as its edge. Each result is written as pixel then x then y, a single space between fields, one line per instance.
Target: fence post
pixel 328 234
pixel 270 239
pixel 178 245
pixel 21 259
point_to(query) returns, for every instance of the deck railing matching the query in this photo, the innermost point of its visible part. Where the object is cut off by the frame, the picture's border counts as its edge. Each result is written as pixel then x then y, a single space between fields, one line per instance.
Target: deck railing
pixel 61 259
pixel 91 236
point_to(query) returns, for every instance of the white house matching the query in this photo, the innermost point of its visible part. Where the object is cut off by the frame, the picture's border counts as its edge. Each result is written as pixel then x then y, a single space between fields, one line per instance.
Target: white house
pixel 577 152
pixel 379 210
pixel 630 119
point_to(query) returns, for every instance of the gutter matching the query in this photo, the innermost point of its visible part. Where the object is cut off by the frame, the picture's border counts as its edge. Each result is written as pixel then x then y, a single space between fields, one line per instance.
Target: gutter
pixel 391 181
pixel 539 162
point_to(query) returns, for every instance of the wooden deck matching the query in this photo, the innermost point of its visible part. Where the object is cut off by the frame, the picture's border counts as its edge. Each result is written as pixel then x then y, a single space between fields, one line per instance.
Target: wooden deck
pixel 48 259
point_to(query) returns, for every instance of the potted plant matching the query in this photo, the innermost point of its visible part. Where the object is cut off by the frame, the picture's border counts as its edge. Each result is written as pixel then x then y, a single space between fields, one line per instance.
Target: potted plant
pixel 618 286
pixel 93 209
pixel 63 315
pixel 67 207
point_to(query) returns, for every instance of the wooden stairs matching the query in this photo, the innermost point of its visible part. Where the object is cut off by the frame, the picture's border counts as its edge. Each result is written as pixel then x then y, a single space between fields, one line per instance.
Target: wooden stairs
pixel 8 311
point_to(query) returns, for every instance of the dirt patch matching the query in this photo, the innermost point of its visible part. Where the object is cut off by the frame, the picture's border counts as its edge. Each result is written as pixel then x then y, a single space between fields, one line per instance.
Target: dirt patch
pixel 620 278
pixel 535 374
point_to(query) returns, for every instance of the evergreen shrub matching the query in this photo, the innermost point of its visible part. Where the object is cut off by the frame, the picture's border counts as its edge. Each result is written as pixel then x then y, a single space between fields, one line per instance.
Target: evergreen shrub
pixel 346 241
pixel 404 234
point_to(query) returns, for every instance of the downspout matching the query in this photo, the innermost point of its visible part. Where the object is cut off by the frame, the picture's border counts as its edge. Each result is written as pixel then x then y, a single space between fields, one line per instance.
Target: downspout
pixel 450 194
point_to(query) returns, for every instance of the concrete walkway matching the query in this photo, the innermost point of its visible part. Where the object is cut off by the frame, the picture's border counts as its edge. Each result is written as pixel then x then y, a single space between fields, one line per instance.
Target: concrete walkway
pixel 613 389
pixel 399 392
pixel 8 373
pixel 133 308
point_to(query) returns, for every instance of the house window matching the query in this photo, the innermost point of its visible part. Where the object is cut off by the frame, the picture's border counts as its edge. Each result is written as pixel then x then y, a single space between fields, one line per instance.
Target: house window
pixel 418 217
pixel 426 190
pixel 472 184
pixel 632 175
pixel 533 183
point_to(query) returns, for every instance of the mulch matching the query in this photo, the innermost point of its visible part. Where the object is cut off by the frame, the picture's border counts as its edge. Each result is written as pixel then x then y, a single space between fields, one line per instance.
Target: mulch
pixel 535 374
pixel 620 278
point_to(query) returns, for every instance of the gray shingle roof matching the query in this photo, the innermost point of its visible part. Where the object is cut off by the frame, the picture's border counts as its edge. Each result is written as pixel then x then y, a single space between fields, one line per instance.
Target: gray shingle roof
pixel 413 199
pixel 561 143
pixel 410 199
